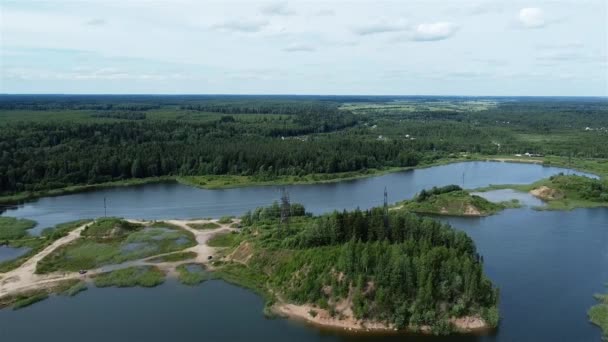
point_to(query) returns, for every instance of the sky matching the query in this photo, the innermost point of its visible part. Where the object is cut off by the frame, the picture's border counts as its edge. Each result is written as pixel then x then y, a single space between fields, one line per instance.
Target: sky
pixel 420 47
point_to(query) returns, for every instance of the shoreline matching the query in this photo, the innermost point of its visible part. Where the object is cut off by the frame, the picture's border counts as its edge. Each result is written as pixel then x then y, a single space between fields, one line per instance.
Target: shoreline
pixel 322 319
pixel 24 278
pixel 222 181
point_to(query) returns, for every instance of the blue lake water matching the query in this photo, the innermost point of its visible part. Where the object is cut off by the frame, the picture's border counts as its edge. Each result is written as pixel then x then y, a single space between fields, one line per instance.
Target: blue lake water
pixel 10 253
pixel 163 201
pixel 547 264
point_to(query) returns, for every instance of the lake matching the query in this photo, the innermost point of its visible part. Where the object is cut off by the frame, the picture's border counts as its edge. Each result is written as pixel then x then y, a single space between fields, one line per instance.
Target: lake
pixel 547 264
pixel 164 201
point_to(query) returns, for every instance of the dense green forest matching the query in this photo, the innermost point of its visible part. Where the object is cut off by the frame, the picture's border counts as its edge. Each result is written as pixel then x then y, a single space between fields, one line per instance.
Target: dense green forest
pixel 54 141
pixel 395 267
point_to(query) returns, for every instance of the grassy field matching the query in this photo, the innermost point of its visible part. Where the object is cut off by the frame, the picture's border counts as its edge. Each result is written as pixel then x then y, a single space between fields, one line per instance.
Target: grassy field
pixel 404 107
pixel 12 228
pixel 144 276
pixel 113 241
pixel 225 240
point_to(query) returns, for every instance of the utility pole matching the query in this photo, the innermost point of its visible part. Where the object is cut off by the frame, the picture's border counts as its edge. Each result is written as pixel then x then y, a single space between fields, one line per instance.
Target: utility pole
pixel 463 179
pixel 385 208
pixel 105 209
pixel 285 208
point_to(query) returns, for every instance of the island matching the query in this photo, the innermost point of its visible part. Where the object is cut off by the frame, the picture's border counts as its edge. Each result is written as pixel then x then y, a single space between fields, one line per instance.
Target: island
pixel 362 270
pixel 452 200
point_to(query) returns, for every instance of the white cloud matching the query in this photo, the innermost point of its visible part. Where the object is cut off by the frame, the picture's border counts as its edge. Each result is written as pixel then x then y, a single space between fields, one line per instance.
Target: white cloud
pixel 277 8
pixel 381 27
pixel 299 48
pixel 198 38
pixel 532 17
pixel 434 31
pixel 96 22
pixel 325 12
pixel 241 25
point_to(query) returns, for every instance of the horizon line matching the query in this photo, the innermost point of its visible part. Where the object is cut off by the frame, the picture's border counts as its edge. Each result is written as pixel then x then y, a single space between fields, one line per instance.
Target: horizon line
pixel 292 94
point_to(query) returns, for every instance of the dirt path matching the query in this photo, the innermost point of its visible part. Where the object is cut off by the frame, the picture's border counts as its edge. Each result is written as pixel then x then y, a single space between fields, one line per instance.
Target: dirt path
pixel 24 277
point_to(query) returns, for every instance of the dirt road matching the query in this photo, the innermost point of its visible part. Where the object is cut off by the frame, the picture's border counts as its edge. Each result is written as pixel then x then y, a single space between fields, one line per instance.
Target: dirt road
pixel 24 277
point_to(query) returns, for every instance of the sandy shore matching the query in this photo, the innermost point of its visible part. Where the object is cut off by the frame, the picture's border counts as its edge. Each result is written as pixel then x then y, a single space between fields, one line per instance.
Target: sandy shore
pixel 322 318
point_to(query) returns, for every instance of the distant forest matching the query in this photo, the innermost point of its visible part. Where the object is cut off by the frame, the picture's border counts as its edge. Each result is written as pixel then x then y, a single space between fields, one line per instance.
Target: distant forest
pixel 53 141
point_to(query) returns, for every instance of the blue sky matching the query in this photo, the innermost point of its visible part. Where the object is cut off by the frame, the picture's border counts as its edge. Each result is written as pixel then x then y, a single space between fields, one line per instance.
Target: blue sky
pixel 434 47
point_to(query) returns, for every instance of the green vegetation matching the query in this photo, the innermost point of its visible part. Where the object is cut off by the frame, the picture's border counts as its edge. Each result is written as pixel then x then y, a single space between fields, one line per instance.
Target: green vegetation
pixel 76 289
pixel 144 276
pixel 598 314
pixel 27 300
pixel 410 272
pixel 235 181
pixel 109 228
pixel 225 240
pixel 36 244
pixel 12 228
pixel 21 300
pixel 571 191
pixel 219 141
pixel 192 274
pixel 247 277
pixel 206 225
pixel 225 219
pixel 453 201
pixel 62 229
pixel 113 241
pixel 565 192
pixel 174 257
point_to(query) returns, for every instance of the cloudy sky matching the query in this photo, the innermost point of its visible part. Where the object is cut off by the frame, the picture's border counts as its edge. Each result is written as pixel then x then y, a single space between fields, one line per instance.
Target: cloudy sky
pixel 458 47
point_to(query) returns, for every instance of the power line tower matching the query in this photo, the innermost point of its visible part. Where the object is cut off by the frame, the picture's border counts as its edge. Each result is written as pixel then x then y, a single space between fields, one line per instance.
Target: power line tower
pixel 105 209
pixel 385 208
pixel 285 208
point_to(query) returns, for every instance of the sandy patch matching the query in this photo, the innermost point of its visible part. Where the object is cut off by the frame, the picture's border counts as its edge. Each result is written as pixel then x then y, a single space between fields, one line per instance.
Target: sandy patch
pixel 471 211
pixel 323 318
pixel 547 193
pixel 345 320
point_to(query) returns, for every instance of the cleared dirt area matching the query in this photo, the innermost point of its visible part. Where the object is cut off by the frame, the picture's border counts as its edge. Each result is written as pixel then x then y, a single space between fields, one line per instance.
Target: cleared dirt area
pixel 24 277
